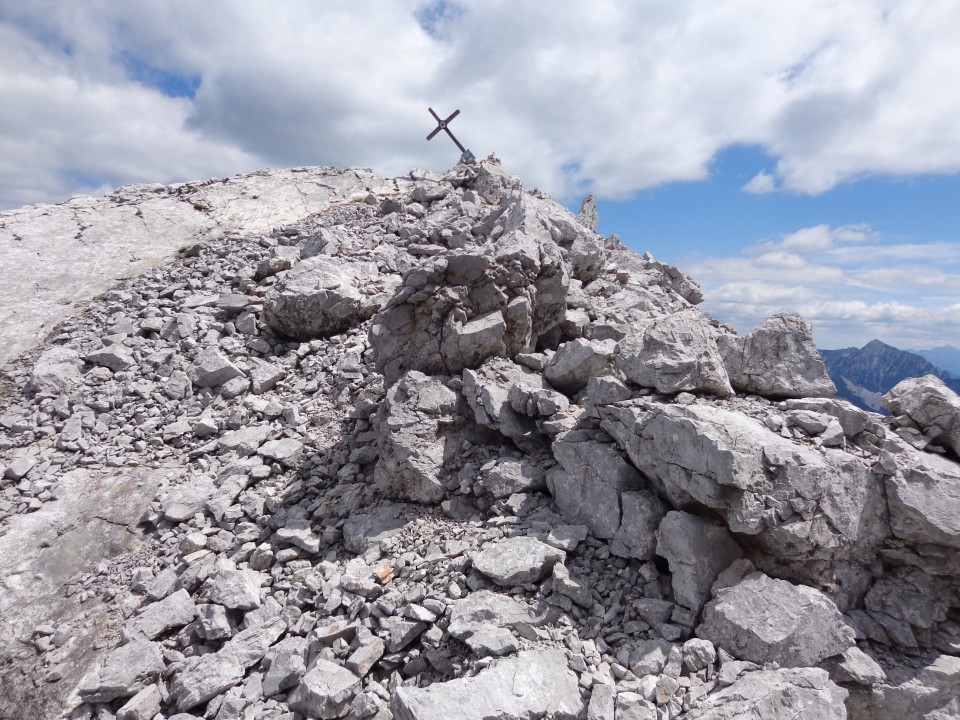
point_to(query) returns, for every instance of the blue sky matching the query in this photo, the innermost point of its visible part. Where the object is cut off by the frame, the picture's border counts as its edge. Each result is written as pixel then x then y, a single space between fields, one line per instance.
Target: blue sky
pixel 801 156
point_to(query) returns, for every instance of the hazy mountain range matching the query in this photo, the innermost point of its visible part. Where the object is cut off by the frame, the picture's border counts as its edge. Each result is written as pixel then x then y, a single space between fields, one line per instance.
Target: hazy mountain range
pixel 862 375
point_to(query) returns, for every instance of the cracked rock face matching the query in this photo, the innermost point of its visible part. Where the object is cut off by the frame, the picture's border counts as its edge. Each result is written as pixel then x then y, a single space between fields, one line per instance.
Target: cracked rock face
pixel 430 447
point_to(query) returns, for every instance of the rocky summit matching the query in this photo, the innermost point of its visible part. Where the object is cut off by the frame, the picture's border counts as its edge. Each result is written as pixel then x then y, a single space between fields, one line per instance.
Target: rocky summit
pixel 430 447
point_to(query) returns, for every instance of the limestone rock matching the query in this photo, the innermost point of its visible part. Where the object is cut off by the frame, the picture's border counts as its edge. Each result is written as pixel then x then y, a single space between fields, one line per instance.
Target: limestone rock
pixel 697 550
pixel 487 391
pixel 321 296
pixel 577 361
pixel 924 500
pixel 530 685
pixel 933 406
pixel 55 371
pixel 765 620
pixel 115 357
pixel 785 694
pixel 325 692
pixel 123 673
pixel 491 609
pixel 173 611
pixel 516 560
pixel 212 368
pixel 369 528
pixel 777 359
pixel 510 476
pixel 410 439
pixel 674 353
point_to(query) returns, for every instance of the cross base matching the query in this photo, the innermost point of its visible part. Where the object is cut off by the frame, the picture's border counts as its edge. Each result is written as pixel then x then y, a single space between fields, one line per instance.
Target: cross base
pixel 468 157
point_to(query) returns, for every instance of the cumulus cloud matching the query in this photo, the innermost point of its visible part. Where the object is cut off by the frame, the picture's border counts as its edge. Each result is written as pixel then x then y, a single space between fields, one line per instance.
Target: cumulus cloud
pixel 609 97
pixel 851 282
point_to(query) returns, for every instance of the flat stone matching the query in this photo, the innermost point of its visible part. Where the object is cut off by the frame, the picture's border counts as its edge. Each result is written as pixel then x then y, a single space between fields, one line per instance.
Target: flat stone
pixel 124 672
pixel 212 368
pixel 285 451
pixel 325 692
pixel 288 660
pixel 173 611
pixel 234 589
pixel 527 686
pixel 517 560
pixel 116 357
pixel 765 620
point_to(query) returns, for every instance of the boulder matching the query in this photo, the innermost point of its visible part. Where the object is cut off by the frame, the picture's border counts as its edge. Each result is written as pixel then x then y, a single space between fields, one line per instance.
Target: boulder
pixel 674 353
pixel 933 406
pixel 778 359
pixel 361 530
pixel 212 368
pixel 576 361
pixel 234 589
pixel 487 390
pixel 122 673
pixel 410 439
pixel 530 685
pixel 589 480
pixel 697 551
pixel 510 475
pixel 175 610
pixel 56 370
pixel 322 296
pixel 517 560
pixel 924 499
pixel 764 620
pixel 799 502
pixel 485 608
pixel 325 692
pixel 784 694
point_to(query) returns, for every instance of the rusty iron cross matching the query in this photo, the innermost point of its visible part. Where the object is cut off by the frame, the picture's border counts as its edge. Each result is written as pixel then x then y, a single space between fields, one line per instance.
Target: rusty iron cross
pixel 466 156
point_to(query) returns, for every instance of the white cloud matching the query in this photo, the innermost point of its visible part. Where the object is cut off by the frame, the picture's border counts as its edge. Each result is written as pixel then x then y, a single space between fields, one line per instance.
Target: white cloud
pixel 610 96
pixel 761 184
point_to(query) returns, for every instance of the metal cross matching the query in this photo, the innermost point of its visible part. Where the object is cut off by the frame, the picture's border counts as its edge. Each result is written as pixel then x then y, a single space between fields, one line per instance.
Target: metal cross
pixel 466 156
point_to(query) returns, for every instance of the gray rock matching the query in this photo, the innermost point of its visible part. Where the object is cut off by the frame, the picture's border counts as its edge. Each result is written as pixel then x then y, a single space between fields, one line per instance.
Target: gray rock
pixel 567 537
pixel 577 361
pixel 409 437
pixel 698 654
pixel 288 663
pixel 57 370
pixel 21 467
pixel 602 705
pixel 927 689
pixel 234 589
pixel 322 296
pixel 535 401
pixel 244 442
pixel 573 588
pixel 650 657
pixel 285 451
pixel 798 502
pixel 264 376
pixel 491 609
pixel 777 359
pixel 633 706
pixel 403 632
pixel 364 658
pixel 363 530
pixel 116 357
pixel 588 482
pixel 675 353
pixel 492 642
pixel 933 406
pixel 299 532
pixel 487 391
pixel 786 694
pixel 511 475
pixel 765 620
pixel 516 560
pixel 697 551
pixel 469 343
pixel 527 686
pixel 124 672
pixel 854 666
pixel 142 706
pixel 641 515
pixel 924 499
pixel 173 611
pixel 201 678
pixel 212 368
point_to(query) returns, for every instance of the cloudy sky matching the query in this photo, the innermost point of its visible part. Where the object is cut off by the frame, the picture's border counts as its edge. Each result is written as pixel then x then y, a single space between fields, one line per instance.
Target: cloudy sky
pixel 797 155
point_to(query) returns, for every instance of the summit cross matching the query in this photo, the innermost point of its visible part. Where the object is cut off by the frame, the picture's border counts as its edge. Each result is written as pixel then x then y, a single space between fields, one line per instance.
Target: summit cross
pixel 466 156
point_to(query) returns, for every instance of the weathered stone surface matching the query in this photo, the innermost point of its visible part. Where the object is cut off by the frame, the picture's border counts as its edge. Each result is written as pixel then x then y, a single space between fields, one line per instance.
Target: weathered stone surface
pixel 854 666
pixel 491 609
pixel 674 353
pixel 933 406
pixel 123 673
pixel 536 401
pixel 697 551
pixel 410 438
pixel 589 480
pixel 55 371
pixel 517 560
pixel 777 359
pixel 926 689
pixel 924 499
pixel 577 361
pixel 786 694
pixel 142 706
pixel 234 589
pixel 365 529
pixel 115 357
pixel 765 620
pixel 530 685
pixel 510 476
pixel 288 660
pixel 321 296
pixel 641 514
pixel 798 502
pixel 285 451
pixel 487 391
pixel 173 611
pixel 212 368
